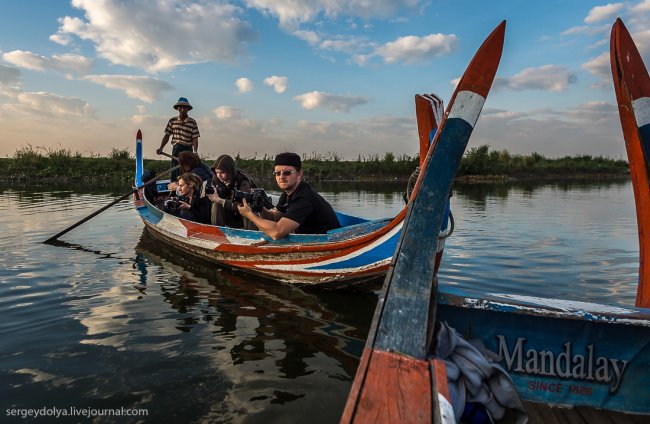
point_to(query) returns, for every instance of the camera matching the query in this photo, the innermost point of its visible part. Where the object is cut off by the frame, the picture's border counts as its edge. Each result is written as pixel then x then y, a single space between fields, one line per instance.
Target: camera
pixel 171 204
pixel 222 190
pixel 209 189
pixel 257 199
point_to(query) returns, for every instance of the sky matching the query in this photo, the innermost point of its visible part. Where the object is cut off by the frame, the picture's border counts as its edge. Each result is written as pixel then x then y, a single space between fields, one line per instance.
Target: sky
pixel 323 78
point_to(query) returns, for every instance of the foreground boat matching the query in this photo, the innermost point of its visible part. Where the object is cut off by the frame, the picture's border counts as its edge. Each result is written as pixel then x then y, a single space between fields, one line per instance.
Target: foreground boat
pixel 592 358
pixel 396 381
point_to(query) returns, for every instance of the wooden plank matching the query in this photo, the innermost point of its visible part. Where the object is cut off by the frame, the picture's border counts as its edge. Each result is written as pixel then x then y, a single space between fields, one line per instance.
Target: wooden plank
pixel 398 391
pixel 540 413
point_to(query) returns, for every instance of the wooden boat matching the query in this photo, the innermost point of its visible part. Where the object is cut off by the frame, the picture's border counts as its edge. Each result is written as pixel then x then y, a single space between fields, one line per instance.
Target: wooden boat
pixel 357 252
pixel 396 381
pixel 592 358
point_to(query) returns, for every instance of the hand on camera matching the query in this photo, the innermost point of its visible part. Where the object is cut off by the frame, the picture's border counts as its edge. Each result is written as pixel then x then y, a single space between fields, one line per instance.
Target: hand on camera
pixel 244 208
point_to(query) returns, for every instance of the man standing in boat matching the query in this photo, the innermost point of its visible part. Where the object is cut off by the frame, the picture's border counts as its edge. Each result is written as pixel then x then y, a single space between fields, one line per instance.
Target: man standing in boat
pixel 299 210
pixel 184 132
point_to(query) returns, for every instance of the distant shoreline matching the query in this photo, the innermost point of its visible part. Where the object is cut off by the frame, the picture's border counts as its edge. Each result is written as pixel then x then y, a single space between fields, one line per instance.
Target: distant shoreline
pixel 480 164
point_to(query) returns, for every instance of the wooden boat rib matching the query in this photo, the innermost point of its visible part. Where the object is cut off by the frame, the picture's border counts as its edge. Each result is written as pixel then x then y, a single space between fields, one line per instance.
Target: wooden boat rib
pixel 396 381
pixel 360 250
pixel 591 359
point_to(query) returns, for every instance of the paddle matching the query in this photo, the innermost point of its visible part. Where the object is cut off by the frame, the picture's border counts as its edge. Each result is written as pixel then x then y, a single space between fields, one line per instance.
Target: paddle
pixel 119 199
pixel 170 156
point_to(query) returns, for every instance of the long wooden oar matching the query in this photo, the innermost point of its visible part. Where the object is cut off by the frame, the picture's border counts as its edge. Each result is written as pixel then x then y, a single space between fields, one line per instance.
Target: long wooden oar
pixel 170 156
pixel 119 199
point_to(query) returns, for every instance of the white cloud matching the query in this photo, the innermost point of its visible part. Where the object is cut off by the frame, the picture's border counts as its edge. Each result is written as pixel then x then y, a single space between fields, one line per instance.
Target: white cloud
pixel 589 128
pixel 600 67
pixel 61 63
pixel 592 31
pixel 291 12
pixel 228 112
pixel 547 77
pixel 49 105
pixel 600 13
pixel 9 77
pixel 158 35
pixel 412 49
pixel 642 7
pixel 335 102
pixel 309 36
pixel 279 84
pixel 347 44
pixel 20 105
pixel 387 134
pixel 142 88
pixel 244 85
pixel 62 39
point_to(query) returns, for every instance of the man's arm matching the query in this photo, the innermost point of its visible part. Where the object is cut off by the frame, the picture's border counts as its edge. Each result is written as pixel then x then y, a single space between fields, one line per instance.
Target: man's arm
pixel 195 144
pixel 271 214
pixel 163 143
pixel 275 230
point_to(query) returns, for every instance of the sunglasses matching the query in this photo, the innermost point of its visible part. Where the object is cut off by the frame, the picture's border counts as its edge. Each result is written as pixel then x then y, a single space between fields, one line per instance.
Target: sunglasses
pixel 285 173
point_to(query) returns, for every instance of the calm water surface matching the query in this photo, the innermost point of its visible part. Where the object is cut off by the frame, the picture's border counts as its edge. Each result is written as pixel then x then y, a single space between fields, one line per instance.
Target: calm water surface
pixel 111 319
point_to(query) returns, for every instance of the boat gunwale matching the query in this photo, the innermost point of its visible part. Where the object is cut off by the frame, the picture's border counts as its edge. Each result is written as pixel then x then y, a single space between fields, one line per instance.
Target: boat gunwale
pixel 268 246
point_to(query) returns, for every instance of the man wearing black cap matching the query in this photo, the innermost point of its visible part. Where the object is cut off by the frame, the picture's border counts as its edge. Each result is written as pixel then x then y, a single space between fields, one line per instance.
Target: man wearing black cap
pixel 184 132
pixel 299 210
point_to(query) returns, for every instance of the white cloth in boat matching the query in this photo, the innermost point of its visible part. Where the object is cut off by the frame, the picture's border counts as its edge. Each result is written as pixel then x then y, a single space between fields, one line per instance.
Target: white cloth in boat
pixel 474 376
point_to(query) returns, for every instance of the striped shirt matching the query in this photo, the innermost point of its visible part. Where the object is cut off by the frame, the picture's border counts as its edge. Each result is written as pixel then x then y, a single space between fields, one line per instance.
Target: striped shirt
pixel 182 131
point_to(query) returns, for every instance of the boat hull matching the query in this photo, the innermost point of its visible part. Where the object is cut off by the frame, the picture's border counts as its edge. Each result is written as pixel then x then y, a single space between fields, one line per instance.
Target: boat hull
pixel 352 257
pixel 560 352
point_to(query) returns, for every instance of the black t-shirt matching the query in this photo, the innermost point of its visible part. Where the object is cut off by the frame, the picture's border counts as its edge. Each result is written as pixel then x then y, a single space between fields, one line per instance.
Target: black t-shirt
pixel 309 209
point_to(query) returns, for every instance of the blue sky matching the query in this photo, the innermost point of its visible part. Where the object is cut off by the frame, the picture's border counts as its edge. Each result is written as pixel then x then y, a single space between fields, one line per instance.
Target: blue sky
pixel 315 76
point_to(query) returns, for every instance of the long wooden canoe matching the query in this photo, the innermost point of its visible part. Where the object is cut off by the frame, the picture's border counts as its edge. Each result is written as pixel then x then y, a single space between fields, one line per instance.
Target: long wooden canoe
pixel 396 381
pixel 359 251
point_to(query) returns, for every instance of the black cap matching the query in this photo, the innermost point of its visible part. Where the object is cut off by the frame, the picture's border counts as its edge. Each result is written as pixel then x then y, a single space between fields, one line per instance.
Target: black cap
pixel 289 159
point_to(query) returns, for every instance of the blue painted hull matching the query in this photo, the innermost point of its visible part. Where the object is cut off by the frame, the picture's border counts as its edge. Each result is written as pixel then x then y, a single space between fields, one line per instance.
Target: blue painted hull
pixel 561 352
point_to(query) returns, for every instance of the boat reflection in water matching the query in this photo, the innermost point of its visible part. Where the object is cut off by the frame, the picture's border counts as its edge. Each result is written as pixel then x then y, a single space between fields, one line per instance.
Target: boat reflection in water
pixel 282 351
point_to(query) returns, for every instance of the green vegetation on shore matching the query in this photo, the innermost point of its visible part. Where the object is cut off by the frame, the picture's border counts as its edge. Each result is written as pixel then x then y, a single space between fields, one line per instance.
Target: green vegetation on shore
pixel 479 163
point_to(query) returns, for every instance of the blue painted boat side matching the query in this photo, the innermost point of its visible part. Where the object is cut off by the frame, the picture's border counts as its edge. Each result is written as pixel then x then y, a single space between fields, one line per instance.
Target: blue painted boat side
pixel 410 265
pixel 584 360
pixel 378 253
pixel 139 161
pixel 644 132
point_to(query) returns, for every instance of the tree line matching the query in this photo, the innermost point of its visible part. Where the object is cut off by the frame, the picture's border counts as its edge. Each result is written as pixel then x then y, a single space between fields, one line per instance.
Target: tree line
pixel 477 163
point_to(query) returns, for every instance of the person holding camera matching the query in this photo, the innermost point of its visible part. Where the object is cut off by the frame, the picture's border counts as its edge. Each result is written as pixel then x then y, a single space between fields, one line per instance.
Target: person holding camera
pixel 188 204
pixel 226 181
pixel 299 210
pixel 191 162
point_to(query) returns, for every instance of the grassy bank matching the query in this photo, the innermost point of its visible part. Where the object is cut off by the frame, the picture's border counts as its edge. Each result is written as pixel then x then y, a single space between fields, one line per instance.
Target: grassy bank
pixel 479 163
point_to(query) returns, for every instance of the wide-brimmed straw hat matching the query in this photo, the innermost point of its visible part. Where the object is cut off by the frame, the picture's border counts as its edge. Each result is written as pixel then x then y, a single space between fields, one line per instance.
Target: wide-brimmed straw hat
pixel 182 101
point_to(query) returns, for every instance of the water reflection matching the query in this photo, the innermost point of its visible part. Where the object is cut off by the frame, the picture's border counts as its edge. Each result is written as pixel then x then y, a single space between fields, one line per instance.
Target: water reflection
pixel 262 334
pixel 479 192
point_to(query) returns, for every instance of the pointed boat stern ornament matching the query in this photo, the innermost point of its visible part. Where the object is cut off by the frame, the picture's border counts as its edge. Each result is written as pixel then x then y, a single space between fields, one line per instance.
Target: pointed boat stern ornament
pixel 632 87
pixel 396 381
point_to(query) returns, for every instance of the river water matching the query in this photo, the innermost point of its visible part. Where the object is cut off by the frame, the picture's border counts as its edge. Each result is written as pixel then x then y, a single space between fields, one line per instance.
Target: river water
pixel 111 320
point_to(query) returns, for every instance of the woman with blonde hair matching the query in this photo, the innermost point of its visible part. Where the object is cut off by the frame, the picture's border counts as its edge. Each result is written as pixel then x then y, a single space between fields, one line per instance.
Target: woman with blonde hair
pixel 191 205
